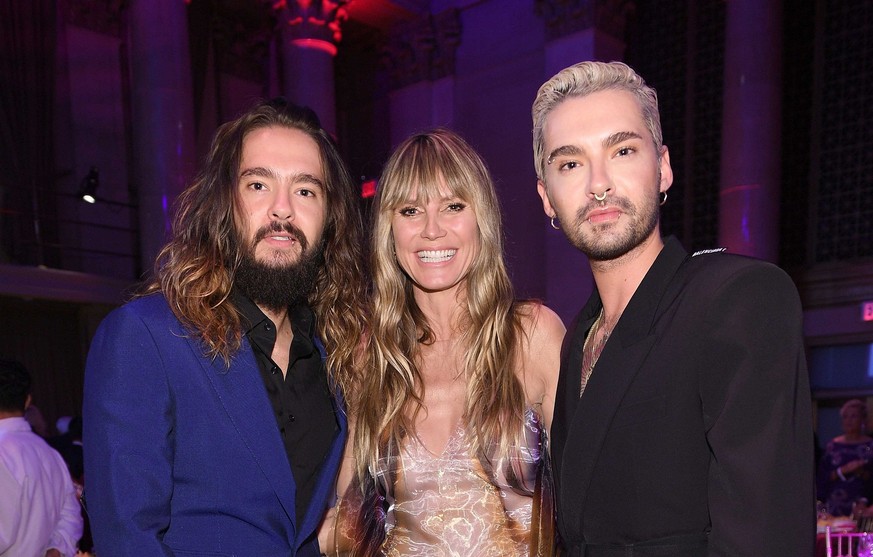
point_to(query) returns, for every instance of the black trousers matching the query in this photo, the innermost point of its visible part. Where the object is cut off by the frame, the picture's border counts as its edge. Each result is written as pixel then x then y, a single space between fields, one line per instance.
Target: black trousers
pixel 692 545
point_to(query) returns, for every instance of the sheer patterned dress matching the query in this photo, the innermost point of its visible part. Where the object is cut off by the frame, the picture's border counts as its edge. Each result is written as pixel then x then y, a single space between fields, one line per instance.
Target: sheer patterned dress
pixel 454 504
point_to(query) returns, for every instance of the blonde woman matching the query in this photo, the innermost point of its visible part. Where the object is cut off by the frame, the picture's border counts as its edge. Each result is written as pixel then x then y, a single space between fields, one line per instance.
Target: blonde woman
pixel 845 472
pixel 450 420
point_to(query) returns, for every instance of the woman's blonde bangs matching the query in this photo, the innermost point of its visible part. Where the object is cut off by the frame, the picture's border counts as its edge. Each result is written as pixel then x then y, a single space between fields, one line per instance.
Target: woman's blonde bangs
pixel 423 171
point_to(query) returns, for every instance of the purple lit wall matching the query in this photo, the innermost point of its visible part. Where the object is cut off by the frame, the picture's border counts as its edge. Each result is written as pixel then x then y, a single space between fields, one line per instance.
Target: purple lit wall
pixel 97 138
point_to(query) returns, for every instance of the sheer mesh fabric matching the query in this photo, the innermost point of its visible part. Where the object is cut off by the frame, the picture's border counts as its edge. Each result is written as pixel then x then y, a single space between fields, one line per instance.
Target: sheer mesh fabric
pixel 454 504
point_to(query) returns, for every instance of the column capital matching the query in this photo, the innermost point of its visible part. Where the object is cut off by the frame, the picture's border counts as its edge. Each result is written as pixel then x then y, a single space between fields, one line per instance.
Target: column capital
pixel 311 23
pixel 423 50
pixel 564 17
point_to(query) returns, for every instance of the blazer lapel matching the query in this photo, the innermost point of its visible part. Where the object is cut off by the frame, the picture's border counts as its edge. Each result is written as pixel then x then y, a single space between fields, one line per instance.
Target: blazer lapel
pixel 621 359
pixel 241 391
pixel 569 379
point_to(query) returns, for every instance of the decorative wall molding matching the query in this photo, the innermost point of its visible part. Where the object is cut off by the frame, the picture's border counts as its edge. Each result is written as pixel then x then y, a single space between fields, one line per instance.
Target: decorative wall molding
pixel 100 16
pixel 565 17
pixel 242 40
pixel 835 284
pixel 67 286
pixel 423 50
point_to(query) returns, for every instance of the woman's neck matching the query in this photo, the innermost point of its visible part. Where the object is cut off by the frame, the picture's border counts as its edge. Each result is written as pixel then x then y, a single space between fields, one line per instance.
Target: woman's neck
pixel 442 313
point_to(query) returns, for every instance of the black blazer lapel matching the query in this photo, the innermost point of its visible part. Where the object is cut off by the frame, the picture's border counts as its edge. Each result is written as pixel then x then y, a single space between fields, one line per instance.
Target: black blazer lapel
pixel 567 401
pixel 618 365
pixel 622 358
pixel 569 379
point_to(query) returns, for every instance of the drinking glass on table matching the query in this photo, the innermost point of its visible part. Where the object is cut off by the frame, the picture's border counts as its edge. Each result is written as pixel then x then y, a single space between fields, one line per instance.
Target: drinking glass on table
pixel 865 546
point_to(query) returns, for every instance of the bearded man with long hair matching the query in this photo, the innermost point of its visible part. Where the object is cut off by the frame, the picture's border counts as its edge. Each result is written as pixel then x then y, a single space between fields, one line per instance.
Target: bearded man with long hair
pixel 212 421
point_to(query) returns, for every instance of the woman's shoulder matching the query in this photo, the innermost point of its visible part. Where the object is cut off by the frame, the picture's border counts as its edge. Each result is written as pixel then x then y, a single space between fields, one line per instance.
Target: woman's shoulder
pixel 543 333
pixel 840 441
pixel 537 319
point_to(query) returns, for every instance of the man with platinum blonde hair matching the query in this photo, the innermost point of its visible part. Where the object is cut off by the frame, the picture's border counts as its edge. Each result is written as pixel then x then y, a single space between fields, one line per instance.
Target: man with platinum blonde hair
pixel 682 421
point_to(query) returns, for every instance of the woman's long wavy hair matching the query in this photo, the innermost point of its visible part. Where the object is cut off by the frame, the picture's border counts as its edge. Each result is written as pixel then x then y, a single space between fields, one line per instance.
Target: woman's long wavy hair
pixel 195 270
pixel 393 390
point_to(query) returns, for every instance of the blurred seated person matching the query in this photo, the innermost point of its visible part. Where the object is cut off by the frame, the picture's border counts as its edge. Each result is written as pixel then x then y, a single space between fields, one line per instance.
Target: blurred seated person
pixel 37 422
pixel 845 472
pixel 62 439
pixel 69 445
pixel 72 450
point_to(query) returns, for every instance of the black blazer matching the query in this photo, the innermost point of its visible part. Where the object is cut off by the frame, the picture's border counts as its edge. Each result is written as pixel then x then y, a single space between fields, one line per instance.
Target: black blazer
pixel 694 436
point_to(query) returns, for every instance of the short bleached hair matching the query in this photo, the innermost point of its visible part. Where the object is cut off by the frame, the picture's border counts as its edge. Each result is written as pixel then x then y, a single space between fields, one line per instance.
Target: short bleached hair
pixel 581 80
pixel 854 403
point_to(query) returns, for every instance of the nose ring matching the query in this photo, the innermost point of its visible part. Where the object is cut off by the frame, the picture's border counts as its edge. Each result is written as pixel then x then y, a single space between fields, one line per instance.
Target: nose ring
pixel 599 198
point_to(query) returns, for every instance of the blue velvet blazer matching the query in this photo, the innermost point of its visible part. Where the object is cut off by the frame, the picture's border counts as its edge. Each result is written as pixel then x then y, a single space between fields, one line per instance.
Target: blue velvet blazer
pixel 182 454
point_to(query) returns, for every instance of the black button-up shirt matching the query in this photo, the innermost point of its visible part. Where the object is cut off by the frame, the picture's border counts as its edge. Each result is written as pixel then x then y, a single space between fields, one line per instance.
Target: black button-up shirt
pixel 301 400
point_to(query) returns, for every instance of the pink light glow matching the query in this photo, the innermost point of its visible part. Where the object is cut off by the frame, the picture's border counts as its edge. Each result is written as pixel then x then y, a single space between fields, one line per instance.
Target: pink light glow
pixel 867 311
pixel 316 44
pixel 368 189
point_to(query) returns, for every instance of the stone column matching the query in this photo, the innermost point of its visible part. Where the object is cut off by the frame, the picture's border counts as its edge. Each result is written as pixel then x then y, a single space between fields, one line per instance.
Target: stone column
pixel 751 122
pixel 162 109
pixel 309 31
pixel 576 30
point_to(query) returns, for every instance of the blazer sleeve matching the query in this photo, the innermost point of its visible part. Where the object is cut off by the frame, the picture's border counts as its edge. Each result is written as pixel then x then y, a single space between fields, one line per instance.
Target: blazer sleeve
pixel 128 420
pixel 757 412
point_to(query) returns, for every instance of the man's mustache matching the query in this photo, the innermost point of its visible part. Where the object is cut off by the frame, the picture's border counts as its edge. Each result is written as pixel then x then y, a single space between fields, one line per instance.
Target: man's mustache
pixel 281 227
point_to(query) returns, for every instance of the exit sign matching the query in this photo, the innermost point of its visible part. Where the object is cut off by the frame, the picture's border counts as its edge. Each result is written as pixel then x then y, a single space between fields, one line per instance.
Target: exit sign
pixel 867 311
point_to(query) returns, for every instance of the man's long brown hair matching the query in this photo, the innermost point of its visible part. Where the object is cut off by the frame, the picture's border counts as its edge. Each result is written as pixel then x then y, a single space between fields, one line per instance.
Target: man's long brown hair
pixel 195 270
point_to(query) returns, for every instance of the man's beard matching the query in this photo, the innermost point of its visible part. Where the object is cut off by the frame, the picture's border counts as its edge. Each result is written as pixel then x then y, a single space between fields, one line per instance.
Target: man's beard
pixel 599 244
pixel 278 285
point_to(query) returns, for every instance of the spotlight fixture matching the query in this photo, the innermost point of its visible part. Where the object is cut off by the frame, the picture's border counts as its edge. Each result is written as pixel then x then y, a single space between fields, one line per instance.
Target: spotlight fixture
pixel 89 185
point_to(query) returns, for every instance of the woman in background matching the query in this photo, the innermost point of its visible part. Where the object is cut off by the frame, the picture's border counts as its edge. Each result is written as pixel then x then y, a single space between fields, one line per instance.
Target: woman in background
pixel 845 473
pixel 456 398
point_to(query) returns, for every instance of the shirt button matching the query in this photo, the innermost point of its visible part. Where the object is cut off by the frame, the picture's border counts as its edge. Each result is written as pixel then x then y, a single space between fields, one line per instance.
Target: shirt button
pixel 291 417
pixel 274 370
pixel 268 326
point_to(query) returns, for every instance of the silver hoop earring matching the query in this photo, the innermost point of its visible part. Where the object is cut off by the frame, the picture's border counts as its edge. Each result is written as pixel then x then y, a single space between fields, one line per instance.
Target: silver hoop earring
pixel 600 199
pixel 663 199
pixel 552 222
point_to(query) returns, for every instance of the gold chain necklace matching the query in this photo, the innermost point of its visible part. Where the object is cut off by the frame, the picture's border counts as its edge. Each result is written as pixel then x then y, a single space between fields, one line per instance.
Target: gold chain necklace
pixel 591 350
